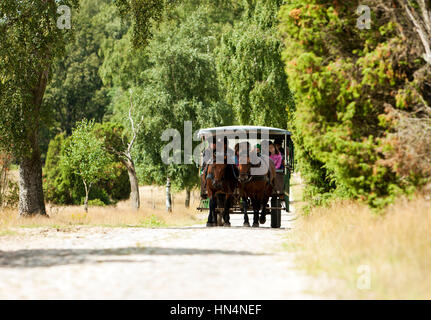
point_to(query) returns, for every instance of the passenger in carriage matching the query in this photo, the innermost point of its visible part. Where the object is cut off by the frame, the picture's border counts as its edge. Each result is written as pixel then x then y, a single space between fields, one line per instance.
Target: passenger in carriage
pixel 257 149
pixel 275 156
pixel 237 154
pixel 208 154
pixel 279 146
pixel 261 151
pixel 278 143
pixel 211 151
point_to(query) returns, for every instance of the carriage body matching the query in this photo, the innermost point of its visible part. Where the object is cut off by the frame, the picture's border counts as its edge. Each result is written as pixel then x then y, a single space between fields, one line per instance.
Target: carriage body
pixel 253 134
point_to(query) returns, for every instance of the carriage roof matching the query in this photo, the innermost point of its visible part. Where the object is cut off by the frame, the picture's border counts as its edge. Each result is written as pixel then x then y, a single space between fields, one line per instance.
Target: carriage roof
pixel 231 130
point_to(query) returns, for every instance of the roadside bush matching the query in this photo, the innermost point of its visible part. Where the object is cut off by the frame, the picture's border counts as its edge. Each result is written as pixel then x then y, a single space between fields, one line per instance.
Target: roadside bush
pixel 360 122
pixel 63 186
pixel 96 203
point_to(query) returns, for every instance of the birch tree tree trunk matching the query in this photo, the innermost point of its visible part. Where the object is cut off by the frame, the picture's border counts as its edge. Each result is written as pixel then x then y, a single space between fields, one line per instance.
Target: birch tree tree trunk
pixel 187 204
pixel 31 199
pixel 421 19
pixel 168 196
pixel 130 165
pixel 134 185
pixel 87 191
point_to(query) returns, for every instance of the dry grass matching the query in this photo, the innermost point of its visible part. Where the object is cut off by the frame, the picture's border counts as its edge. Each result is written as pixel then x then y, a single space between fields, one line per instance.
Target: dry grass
pixel 151 214
pixel 396 246
pixel 297 192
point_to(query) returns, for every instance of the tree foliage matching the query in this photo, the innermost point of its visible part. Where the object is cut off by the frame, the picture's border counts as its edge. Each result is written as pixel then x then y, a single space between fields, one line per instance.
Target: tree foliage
pixel 347 82
pixel 30 42
pixel 76 90
pixel 144 15
pixel 251 70
pixel 177 83
pixel 84 155
pixel 62 186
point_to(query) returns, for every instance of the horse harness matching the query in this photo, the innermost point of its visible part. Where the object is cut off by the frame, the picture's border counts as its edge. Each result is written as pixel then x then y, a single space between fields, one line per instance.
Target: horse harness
pixel 253 178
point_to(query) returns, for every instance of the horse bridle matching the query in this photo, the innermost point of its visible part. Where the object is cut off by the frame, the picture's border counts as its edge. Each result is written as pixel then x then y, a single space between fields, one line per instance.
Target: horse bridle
pixel 210 175
pixel 254 177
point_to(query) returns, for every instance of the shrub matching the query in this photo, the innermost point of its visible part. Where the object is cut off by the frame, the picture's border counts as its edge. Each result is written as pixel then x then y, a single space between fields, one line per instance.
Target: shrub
pixel 96 203
pixel 152 222
pixel 86 157
pixel 12 196
pixel 63 186
pixel 348 85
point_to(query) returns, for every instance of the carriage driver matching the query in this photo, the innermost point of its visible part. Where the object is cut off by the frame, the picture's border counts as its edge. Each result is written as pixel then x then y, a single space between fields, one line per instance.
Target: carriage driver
pixel 211 152
pixel 208 154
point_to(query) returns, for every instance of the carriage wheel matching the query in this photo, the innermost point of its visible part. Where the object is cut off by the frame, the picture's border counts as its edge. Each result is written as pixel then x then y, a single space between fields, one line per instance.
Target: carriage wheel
pixel 275 213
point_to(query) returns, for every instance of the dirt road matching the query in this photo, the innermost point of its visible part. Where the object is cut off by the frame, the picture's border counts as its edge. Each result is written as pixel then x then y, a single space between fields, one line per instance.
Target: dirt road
pixel 135 263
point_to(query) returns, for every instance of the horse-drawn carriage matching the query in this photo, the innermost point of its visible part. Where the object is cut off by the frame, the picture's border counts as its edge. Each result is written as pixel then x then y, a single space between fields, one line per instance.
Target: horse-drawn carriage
pixel 279 189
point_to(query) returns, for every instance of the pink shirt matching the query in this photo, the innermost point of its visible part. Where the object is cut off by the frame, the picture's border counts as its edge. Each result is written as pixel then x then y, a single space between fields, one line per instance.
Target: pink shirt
pixel 277 159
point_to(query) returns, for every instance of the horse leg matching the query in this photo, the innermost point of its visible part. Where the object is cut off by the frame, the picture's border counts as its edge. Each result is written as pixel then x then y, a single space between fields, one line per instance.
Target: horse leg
pixel 211 221
pixel 244 205
pixel 262 218
pixel 256 206
pixel 226 216
pixel 210 214
pixel 218 214
pixel 264 202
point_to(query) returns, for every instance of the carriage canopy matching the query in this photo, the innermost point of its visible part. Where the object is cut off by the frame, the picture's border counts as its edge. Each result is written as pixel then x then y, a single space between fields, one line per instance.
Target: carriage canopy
pixel 231 130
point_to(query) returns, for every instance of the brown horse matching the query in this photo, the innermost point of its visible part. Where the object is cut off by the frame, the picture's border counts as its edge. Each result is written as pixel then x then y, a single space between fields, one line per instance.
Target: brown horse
pixel 221 182
pixel 256 187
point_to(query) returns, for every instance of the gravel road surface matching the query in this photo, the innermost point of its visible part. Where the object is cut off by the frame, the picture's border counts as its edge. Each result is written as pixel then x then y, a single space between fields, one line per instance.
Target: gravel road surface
pixel 168 263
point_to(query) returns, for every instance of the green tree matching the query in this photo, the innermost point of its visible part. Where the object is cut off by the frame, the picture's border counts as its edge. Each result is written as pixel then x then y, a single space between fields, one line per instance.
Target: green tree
pixel 30 42
pixel 250 68
pixel 144 15
pixel 76 90
pixel 62 186
pixel 177 83
pixel 351 86
pixel 86 156
pixel 119 144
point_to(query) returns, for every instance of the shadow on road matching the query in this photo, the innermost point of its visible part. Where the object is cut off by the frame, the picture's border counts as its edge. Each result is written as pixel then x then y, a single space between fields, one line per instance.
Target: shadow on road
pixel 33 258
pixel 232 227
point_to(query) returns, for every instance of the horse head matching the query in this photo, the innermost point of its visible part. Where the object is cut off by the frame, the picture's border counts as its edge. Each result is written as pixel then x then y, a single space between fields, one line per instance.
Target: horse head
pixel 244 171
pixel 245 174
pixel 217 173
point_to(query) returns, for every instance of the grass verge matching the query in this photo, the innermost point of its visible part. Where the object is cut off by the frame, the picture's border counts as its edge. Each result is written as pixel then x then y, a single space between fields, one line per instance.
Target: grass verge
pixel 152 214
pixel 385 256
